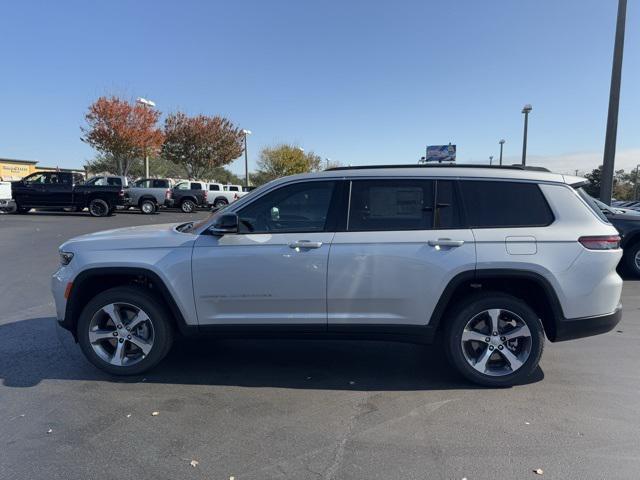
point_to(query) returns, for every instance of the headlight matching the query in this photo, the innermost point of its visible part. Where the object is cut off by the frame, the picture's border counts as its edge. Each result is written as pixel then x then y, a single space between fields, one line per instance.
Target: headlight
pixel 66 257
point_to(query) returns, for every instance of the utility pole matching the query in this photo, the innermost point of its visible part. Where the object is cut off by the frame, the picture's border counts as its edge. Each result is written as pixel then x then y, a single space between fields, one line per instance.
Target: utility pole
pixel 526 110
pixel 490 160
pixel 608 163
pixel 246 158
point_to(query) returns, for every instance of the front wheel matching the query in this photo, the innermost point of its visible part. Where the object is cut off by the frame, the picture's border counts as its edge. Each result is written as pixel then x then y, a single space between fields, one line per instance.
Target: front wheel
pixel 494 340
pixel 124 331
pixel 99 208
pixel 188 206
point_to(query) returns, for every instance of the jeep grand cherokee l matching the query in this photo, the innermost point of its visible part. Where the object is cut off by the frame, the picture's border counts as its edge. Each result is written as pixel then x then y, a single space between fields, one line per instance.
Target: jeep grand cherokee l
pixel 486 260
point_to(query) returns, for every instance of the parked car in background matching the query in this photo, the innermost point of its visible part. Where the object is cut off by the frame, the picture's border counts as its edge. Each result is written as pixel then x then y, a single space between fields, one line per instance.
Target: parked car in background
pixel 148 194
pixel 65 190
pixel 485 261
pixel 628 225
pixel 6 202
pixel 187 196
pixel 218 197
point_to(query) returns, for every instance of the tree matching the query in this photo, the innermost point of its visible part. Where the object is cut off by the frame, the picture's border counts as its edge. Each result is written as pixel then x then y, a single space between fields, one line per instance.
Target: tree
pixel 283 160
pixel 624 184
pixel 200 144
pixel 121 131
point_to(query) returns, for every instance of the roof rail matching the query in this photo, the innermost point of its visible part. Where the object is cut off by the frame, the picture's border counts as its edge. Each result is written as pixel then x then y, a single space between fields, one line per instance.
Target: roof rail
pixel 442 165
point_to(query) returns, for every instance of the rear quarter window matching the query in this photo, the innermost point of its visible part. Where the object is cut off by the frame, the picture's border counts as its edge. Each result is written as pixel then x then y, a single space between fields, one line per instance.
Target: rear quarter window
pixel 495 204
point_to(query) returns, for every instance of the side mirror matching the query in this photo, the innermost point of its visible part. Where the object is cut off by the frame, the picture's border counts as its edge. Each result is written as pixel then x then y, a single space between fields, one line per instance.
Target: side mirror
pixel 227 223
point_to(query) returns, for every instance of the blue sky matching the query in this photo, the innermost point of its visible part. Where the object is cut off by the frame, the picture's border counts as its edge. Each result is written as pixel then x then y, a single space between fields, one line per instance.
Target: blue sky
pixel 356 81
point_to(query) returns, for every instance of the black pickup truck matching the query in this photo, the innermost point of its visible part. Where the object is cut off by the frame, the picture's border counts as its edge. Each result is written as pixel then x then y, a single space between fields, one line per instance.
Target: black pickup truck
pixel 187 196
pixel 48 190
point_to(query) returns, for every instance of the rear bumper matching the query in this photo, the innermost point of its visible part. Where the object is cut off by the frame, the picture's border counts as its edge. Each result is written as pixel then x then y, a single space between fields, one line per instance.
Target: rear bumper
pixel 571 328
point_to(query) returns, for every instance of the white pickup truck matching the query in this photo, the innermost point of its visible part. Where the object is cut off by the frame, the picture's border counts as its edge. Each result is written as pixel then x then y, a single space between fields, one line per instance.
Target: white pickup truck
pixel 219 195
pixel 6 203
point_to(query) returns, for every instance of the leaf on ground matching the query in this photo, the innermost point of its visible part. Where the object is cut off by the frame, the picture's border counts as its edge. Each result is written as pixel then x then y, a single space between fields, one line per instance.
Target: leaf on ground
pixel 194 463
pixel 50 431
pixel 155 414
pixel 128 415
pixel 538 471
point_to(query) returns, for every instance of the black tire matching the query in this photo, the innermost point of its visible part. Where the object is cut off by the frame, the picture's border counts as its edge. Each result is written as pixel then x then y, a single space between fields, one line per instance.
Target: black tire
pixel 99 208
pixel 140 298
pixel 21 210
pixel 220 202
pixel 474 306
pixel 148 207
pixel 629 259
pixel 188 206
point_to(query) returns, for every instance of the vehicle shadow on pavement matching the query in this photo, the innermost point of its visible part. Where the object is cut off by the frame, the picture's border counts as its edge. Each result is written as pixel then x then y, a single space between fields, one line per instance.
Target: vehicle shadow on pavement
pixel 36 349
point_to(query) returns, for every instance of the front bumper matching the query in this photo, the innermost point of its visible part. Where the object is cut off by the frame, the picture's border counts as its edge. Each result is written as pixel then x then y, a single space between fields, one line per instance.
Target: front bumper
pixel 571 328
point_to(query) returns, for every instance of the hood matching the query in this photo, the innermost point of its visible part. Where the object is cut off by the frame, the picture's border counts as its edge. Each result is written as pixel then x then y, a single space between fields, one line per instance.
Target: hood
pixel 138 237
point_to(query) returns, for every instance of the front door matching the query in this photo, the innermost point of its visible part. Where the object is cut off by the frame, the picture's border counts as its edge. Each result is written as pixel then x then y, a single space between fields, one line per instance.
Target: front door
pixel 403 243
pixel 274 271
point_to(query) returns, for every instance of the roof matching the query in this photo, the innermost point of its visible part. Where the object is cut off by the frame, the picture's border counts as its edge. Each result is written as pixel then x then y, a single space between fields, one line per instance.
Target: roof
pixel 13 160
pixel 448 171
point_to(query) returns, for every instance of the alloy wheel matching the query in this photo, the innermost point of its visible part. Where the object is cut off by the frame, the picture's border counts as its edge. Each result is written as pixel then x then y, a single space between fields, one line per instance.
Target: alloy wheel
pixel 496 342
pixel 121 334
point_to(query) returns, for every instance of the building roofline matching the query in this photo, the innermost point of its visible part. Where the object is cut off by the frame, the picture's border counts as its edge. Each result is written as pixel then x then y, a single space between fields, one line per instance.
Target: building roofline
pixel 15 160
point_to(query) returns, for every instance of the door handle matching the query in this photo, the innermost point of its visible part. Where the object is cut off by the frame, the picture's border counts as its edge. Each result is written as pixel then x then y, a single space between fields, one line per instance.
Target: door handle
pixel 305 244
pixel 445 242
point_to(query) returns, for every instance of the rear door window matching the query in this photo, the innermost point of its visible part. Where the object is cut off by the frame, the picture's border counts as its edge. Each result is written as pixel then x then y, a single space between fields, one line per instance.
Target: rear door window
pixel 496 204
pixel 196 186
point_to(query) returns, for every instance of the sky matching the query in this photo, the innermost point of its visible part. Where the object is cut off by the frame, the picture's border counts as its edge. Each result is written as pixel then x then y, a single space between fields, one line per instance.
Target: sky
pixel 359 82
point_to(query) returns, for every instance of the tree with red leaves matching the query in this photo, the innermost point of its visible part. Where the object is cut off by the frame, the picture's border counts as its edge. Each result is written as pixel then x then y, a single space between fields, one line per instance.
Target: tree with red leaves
pixel 122 130
pixel 201 143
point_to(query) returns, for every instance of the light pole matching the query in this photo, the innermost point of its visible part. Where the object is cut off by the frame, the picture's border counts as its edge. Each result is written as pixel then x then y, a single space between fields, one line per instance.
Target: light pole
pixel 501 142
pixel 490 160
pixel 246 158
pixel 635 184
pixel 608 163
pixel 526 110
pixel 150 104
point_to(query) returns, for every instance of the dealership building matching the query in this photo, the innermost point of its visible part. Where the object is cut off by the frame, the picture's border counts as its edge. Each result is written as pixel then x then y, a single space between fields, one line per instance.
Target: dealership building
pixel 12 169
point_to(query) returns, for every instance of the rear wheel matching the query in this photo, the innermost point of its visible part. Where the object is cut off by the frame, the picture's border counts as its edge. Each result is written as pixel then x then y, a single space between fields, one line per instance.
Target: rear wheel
pixel 632 259
pixel 124 331
pixel 99 208
pixel 188 206
pixel 148 207
pixel 220 202
pixel 495 340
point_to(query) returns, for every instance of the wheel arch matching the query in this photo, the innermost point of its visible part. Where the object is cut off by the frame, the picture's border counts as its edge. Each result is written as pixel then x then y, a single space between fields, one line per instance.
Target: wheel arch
pixel 147 197
pixel 85 288
pixel 529 286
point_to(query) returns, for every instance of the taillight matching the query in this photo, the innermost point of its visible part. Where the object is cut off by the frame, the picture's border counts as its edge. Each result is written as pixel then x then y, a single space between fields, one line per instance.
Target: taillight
pixel 608 242
pixel 167 193
pixel 121 193
pixel 236 196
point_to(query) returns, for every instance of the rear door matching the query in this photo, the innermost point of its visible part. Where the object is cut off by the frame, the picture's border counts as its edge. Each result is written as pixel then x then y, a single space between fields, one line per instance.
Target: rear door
pixel 404 242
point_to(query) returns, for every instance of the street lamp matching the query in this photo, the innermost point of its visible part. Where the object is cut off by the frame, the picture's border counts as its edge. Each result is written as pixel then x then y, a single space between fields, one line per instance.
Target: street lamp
pixel 526 110
pixel 490 159
pixel 501 142
pixel 150 104
pixel 246 158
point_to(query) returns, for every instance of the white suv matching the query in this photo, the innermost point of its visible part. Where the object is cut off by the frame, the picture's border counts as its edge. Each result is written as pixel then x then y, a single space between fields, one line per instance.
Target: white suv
pixel 485 260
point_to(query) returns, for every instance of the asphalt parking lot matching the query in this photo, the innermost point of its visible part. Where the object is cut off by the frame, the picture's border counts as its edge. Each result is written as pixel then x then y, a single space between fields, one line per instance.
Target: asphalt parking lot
pixel 294 410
